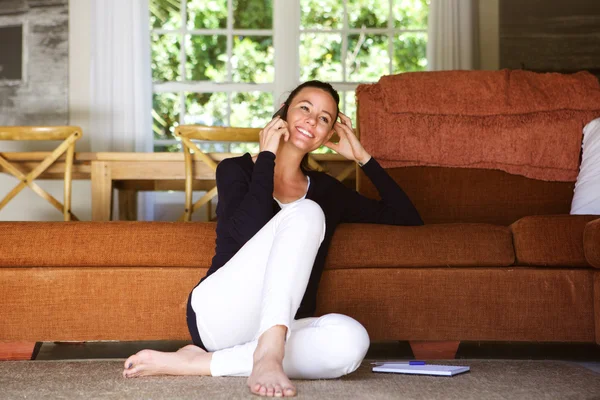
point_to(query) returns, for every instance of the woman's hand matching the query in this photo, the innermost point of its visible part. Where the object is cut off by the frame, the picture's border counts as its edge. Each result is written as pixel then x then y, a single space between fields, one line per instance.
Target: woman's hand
pixel 271 135
pixel 348 146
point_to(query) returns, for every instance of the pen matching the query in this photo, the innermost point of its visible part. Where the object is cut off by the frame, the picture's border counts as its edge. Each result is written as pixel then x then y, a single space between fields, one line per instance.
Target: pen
pixel 416 363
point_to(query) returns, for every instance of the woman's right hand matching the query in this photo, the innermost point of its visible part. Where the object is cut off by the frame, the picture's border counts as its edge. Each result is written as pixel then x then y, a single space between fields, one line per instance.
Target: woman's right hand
pixel 271 135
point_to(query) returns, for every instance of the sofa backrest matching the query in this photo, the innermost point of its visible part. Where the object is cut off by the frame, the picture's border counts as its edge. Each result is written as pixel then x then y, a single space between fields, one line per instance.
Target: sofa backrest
pixel 446 195
pixel 479 146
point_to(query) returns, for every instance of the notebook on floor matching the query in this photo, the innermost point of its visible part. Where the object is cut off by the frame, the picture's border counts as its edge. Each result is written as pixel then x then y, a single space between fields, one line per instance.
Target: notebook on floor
pixel 427 369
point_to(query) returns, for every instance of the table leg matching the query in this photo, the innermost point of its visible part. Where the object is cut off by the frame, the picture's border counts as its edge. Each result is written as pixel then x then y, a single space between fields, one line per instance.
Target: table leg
pixel 127 205
pixel 101 191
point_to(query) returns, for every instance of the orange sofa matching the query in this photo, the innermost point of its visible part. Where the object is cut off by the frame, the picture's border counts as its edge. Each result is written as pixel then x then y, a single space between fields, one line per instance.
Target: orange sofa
pixel 537 280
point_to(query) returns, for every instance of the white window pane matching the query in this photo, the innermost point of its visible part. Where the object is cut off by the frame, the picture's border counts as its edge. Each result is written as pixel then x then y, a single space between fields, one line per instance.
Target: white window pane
pixel 368 58
pixel 206 58
pixel 320 57
pixel 321 14
pixel 368 13
pixel 251 109
pixel 410 52
pixel 206 14
pixel 165 114
pixel 253 14
pixel 165 14
pixel 350 106
pixel 253 59
pixel 251 148
pixel 411 14
pixel 165 57
pixel 206 109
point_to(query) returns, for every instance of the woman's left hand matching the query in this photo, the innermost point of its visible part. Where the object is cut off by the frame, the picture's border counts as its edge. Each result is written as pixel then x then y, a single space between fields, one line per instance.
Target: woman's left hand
pixel 348 146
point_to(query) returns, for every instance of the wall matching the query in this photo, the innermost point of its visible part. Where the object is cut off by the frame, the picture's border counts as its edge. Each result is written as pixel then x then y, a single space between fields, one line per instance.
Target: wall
pixel 489 55
pixel 550 35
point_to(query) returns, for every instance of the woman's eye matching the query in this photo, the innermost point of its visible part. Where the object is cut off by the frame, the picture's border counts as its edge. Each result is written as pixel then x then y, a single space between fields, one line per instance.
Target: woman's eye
pixel 305 108
pixel 325 119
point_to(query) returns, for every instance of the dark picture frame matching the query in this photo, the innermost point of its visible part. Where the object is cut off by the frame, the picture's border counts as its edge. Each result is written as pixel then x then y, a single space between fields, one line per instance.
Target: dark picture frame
pixel 11 53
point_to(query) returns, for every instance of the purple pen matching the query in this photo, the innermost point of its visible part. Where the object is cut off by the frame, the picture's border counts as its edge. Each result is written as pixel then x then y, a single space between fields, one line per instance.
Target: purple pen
pixel 416 363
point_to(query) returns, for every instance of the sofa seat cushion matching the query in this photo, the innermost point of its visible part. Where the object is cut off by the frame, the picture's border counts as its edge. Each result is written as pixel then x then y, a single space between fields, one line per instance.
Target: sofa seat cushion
pixel 591 242
pixel 551 240
pixel 101 244
pixel 443 245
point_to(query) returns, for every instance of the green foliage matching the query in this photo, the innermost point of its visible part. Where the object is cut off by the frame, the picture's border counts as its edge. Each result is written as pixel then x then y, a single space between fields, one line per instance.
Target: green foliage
pixel 252 14
pixel 252 61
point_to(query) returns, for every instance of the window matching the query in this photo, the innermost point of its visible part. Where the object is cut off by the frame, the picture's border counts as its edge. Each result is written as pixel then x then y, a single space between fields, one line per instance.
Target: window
pixel 215 62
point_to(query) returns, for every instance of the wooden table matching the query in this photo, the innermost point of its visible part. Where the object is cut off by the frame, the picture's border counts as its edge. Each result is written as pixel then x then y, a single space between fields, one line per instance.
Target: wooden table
pixel 133 172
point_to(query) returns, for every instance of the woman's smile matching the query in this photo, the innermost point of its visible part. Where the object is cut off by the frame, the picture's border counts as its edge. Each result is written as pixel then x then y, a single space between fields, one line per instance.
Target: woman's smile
pixel 305 132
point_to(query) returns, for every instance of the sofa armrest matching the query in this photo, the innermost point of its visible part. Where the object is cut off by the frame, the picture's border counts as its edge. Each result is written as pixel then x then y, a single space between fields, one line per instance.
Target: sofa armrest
pixel 551 240
pixel 591 242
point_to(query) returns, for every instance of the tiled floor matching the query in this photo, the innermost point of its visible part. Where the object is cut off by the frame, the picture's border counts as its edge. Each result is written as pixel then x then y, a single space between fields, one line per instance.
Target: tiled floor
pixel 587 355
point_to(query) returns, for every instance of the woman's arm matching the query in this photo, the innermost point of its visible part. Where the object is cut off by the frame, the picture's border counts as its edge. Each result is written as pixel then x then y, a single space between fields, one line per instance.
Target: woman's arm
pixel 394 208
pixel 245 206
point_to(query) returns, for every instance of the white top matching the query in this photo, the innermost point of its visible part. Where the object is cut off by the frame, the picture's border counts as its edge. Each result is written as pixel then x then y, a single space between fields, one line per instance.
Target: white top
pixel 284 205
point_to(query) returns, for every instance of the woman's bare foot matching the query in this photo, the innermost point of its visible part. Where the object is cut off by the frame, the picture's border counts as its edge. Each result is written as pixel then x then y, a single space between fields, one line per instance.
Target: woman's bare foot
pixel 189 360
pixel 267 377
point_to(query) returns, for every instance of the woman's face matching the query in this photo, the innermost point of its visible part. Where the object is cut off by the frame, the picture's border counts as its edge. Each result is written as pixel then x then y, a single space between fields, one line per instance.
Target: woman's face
pixel 310 118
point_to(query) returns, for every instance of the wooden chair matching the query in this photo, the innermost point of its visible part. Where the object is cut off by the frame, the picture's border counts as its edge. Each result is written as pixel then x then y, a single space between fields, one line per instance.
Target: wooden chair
pixel 68 135
pixel 192 152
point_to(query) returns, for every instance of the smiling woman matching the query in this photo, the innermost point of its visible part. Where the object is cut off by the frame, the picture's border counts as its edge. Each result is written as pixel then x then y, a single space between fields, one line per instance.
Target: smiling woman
pixel 253 313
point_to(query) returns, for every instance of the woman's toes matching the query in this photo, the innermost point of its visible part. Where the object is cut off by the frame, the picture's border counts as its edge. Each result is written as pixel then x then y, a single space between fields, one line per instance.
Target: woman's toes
pixel 255 388
pixel 270 390
pixel 129 362
pixel 278 392
pixel 289 392
pixel 263 390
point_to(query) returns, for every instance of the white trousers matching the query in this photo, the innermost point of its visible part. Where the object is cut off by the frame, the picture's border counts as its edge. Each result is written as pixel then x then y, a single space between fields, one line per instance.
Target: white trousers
pixel 262 286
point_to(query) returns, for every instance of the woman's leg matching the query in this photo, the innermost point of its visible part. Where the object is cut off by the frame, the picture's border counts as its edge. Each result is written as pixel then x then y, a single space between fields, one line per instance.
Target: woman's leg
pixel 262 285
pixel 251 301
pixel 318 348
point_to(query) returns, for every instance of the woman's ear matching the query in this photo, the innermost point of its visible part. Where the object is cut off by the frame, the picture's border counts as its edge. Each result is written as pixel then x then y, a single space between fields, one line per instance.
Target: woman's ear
pixel 281 111
pixel 329 135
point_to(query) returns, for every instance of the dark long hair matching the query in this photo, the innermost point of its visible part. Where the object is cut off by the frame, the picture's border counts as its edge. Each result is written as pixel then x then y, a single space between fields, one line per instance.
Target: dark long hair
pixel 282 112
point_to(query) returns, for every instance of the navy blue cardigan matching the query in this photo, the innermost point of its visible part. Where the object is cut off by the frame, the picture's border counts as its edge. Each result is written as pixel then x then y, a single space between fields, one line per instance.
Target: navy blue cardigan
pixel 246 204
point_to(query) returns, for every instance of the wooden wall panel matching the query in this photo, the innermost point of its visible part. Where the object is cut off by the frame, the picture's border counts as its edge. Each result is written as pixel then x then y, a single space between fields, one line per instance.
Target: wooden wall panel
pixel 550 35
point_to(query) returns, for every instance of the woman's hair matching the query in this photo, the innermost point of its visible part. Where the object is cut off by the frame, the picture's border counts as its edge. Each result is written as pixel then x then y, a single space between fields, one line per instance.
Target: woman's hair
pixel 282 112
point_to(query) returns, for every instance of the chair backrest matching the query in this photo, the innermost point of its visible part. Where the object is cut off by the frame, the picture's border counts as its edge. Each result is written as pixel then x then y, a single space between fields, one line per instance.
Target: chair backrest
pixel 192 152
pixel 218 133
pixel 68 135
pixel 39 132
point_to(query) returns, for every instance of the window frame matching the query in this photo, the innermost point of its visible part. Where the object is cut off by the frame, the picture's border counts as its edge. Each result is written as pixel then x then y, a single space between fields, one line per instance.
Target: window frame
pixel 286 32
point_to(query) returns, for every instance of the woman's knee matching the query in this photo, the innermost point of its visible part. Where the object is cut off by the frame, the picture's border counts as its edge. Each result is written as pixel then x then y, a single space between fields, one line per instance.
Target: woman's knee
pixel 310 209
pixel 305 212
pixel 350 342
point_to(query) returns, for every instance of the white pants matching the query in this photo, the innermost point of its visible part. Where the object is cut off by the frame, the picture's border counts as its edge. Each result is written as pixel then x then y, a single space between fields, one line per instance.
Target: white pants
pixel 262 286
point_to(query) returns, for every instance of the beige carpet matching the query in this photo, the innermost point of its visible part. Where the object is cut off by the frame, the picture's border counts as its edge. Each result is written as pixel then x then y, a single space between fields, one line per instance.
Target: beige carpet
pixel 493 379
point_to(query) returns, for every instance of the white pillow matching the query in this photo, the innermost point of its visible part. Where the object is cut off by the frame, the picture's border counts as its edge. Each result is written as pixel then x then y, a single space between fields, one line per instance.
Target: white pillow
pixel 586 199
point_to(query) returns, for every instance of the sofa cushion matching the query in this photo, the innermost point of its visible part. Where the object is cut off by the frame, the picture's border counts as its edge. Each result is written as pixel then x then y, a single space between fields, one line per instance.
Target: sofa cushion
pixel 444 245
pixel 551 240
pixel 448 195
pixel 591 242
pixel 116 244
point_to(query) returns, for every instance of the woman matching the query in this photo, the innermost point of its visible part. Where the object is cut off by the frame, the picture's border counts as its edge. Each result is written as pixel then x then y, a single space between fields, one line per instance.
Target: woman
pixel 275 221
